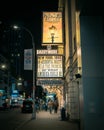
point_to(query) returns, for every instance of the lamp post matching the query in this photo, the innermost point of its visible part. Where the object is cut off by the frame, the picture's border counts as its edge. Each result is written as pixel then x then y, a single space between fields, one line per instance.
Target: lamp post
pixel 33 67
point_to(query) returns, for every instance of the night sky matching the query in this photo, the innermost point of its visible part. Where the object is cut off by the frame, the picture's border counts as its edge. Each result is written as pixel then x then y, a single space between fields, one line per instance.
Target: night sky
pixel 26 13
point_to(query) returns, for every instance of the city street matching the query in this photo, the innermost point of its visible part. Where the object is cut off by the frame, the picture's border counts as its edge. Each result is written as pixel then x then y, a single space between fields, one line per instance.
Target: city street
pixel 15 120
pixel 10 119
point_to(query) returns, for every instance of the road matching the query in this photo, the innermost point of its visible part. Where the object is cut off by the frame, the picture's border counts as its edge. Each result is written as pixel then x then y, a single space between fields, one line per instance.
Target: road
pixel 11 119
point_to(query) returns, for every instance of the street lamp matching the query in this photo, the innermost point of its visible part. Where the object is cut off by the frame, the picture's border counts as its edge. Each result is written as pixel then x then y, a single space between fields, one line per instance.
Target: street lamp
pixel 33 67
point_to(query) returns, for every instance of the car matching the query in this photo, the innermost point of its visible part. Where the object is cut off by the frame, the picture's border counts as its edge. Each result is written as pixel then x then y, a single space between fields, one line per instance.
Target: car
pixel 27 106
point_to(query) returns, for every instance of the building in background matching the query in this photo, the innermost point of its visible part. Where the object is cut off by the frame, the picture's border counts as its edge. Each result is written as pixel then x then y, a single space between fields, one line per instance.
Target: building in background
pixel 12 48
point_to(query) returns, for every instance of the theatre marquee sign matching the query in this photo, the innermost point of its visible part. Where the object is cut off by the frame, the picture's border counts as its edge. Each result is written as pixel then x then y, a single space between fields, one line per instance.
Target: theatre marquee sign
pixel 50 66
pixel 52 28
pixel 46 52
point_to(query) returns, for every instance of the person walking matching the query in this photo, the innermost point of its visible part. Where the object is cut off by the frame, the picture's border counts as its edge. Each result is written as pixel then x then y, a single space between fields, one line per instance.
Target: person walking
pixel 55 106
pixel 50 106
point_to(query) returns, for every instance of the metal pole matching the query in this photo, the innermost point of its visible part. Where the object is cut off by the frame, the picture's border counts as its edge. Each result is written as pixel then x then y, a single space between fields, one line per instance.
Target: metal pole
pixel 33 68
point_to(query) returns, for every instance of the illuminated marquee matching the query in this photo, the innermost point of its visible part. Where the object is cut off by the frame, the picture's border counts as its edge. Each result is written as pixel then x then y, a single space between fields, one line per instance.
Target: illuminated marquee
pixel 50 82
pixel 46 51
pixel 52 28
pixel 50 66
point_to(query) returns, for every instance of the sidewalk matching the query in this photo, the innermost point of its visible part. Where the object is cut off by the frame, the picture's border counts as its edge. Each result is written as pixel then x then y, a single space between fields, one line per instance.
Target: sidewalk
pixel 46 121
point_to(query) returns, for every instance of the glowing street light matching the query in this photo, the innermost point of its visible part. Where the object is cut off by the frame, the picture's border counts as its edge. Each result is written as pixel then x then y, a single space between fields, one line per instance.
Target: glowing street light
pixel 3 66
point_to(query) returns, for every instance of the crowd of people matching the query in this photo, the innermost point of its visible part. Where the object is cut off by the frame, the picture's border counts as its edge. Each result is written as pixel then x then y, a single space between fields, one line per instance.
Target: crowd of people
pixel 50 105
pixel 53 105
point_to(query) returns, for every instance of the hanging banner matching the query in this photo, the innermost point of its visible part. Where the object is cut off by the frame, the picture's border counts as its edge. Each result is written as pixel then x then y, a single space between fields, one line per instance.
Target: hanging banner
pixel 28 59
pixel 52 28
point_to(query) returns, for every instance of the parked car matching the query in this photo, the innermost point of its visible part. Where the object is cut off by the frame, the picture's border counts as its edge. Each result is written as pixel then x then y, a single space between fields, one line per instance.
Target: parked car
pixel 27 106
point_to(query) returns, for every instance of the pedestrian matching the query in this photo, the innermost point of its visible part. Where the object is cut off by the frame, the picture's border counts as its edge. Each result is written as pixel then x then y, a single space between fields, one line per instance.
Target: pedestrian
pixel 37 104
pixel 50 106
pixel 63 114
pixel 55 106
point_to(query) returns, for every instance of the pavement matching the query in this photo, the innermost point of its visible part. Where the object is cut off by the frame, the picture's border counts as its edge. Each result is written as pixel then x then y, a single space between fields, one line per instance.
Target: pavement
pixel 46 121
